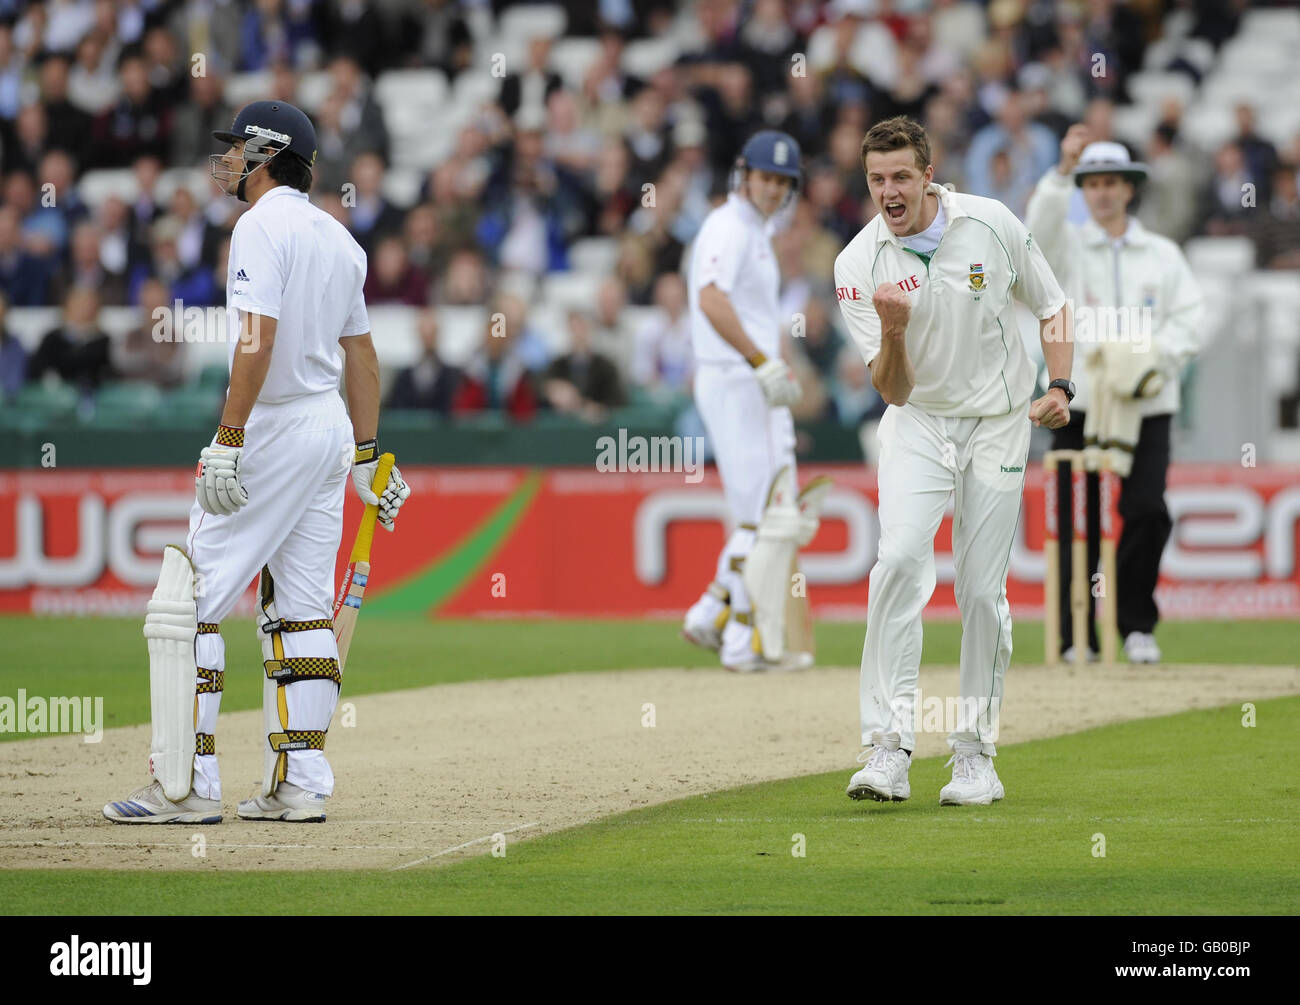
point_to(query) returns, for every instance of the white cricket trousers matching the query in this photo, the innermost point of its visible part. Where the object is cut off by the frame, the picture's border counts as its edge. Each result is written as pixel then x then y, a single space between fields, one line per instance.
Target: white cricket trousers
pixel 751 442
pixel 923 458
pixel 295 467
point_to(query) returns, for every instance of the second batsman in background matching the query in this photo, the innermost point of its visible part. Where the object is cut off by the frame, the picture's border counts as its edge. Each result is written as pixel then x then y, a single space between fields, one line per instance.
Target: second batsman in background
pixel 1128 384
pixel 743 390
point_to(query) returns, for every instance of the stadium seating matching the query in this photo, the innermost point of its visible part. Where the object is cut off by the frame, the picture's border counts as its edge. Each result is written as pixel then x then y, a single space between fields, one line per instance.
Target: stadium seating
pixel 424 109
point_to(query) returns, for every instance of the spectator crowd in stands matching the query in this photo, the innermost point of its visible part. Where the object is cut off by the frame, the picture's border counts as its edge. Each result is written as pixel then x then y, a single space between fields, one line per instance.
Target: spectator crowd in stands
pixel 140 85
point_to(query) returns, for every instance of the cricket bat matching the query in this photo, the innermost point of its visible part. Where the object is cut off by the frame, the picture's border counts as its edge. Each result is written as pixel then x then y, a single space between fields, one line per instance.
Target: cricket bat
pixel 347 607
pixel 798 617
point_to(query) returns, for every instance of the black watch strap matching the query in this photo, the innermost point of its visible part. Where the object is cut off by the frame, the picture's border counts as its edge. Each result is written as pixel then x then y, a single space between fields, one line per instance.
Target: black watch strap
pixel 1065 385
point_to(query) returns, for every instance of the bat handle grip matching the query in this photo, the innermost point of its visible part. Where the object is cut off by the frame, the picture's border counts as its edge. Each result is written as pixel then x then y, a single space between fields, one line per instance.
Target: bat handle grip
pixel 366 532
pixel 382 471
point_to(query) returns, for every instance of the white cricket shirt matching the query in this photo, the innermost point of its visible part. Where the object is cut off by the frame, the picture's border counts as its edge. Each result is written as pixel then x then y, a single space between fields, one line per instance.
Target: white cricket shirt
pixel 297 264
pixel 733 251
pixel 961 335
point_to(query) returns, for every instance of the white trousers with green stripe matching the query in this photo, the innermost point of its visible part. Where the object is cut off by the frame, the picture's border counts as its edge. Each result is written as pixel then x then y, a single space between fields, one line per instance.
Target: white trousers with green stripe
pixel 923 460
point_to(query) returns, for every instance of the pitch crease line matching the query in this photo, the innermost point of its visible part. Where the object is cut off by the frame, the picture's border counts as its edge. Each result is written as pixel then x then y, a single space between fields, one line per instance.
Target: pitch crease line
pixel 467 844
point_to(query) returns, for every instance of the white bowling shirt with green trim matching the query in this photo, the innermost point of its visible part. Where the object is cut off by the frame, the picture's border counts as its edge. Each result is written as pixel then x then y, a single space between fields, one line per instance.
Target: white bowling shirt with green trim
pixel 962 337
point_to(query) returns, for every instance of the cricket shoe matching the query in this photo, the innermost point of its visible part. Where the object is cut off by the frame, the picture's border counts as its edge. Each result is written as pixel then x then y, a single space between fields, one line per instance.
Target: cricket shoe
pixel 974 782
pixel 150 805
pixel 1140 647
pixel 758 663
pixel 884 775
pixel 706 619
pixel 1067 657
pixel 701 633
pixel 288 803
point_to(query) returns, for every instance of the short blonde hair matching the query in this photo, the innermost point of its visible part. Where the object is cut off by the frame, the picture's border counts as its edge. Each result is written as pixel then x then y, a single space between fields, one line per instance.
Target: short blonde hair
pixel 897 133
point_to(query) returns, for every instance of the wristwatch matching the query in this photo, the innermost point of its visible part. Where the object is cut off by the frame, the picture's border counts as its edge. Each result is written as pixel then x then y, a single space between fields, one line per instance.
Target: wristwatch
pixel 1065 385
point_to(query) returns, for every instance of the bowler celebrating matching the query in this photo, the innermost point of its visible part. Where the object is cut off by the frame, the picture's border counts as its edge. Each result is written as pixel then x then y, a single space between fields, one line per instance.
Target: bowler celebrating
pixel 926 289
pixel 269 491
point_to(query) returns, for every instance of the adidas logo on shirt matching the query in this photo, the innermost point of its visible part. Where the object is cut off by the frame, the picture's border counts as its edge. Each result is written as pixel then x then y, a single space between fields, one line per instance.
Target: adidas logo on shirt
pixel 241 276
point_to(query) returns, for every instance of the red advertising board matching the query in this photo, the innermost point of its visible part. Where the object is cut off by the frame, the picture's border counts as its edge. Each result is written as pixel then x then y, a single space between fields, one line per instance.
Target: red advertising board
pixel 581 543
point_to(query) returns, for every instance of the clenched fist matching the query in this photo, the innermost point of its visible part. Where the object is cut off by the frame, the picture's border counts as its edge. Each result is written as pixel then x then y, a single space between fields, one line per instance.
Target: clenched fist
pixel 892 305
pixel 1051 410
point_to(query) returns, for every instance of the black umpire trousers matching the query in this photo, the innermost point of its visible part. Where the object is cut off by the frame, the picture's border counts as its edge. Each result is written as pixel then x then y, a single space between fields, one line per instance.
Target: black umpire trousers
pixel 1142 541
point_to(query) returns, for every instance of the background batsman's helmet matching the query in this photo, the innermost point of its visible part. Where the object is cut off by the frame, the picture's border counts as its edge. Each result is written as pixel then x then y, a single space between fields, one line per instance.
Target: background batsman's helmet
pixel 268 129
pixel 772 151
pixel 769 150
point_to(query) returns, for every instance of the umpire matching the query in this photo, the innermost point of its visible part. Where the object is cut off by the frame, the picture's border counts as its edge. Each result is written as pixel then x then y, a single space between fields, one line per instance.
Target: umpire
pixel 1132 361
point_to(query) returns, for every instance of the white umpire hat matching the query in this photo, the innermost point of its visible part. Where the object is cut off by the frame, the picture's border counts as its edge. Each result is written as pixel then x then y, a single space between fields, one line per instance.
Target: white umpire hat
pixel 1105 157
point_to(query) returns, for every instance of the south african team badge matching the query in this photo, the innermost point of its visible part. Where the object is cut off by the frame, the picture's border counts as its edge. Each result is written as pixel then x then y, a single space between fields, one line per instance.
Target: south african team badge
pixel 976 277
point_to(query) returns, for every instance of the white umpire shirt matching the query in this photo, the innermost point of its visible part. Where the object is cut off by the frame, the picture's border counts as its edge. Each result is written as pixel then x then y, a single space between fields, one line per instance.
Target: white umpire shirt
pixel 296 263
pixel 733 251
pixel 1142 271
pixel 961 336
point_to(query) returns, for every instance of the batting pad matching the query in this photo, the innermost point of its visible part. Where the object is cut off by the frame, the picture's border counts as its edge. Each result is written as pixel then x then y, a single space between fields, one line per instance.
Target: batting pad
pixel 170 626
pixel 810 507
pixel 767 569
pixel 300 689
pixel 272 767
pixel 210 654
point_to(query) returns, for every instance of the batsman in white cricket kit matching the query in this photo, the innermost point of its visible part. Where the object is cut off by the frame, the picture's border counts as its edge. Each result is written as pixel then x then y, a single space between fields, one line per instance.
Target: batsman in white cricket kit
pixel 959 382
pixel 750 613
pixel 269 492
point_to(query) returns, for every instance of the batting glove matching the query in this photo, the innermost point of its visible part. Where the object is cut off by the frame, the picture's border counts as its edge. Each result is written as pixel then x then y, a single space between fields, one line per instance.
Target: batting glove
pixel 395 492
pixel 216 481
pixel 777 380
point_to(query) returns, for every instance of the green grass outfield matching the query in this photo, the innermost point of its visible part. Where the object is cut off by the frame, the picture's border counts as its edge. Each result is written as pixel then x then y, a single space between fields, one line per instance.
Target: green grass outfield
pixel 107 656
pixel 1199 815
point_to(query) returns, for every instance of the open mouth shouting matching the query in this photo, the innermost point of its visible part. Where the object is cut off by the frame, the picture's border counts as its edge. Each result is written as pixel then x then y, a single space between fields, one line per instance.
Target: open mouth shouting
pixel 898 185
